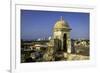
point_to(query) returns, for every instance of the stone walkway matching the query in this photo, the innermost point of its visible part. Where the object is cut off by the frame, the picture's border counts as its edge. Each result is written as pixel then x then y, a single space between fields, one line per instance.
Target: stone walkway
pixel 77 57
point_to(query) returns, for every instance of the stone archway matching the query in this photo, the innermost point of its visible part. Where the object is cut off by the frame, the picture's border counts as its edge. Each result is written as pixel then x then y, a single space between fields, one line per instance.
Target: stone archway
pixel 65 42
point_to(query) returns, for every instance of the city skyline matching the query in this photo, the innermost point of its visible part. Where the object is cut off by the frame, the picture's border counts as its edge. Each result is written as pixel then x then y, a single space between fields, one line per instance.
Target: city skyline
pixel 39 24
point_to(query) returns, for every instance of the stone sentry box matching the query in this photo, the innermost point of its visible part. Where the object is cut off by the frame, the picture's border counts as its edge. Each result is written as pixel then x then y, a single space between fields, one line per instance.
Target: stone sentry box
pixel 61 36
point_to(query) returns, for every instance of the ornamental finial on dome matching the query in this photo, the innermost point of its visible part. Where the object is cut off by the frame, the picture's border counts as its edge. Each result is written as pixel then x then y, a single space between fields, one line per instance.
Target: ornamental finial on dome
pixel 61 18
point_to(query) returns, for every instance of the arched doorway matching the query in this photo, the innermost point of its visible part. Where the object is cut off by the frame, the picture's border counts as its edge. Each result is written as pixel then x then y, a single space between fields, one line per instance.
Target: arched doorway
pixel 65 42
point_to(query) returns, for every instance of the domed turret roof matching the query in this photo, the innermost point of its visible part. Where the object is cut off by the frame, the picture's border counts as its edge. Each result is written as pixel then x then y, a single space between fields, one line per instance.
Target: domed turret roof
pixel 60 24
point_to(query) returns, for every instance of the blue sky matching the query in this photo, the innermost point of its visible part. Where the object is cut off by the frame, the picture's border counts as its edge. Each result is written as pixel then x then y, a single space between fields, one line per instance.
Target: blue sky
pixel 39 24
